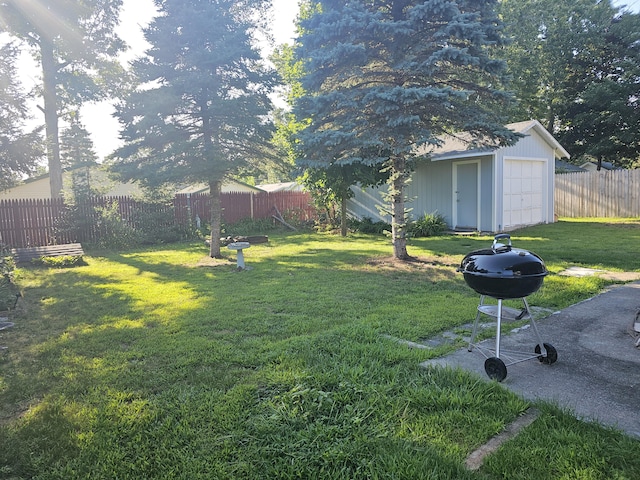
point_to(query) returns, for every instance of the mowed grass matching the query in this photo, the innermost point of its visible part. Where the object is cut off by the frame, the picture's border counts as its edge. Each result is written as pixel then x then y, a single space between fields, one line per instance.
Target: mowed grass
pixel 162 363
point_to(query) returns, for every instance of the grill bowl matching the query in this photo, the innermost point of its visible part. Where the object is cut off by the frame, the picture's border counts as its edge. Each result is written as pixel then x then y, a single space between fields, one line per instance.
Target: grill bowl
pixel 503 271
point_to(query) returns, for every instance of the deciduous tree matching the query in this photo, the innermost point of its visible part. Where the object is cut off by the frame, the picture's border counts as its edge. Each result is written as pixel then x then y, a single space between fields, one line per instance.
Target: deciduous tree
pixel 75 44
pixel 576 66
pixel 20 151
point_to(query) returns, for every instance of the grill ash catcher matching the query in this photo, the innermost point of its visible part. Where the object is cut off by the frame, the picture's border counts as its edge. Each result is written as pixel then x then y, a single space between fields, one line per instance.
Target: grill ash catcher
pixel 503 272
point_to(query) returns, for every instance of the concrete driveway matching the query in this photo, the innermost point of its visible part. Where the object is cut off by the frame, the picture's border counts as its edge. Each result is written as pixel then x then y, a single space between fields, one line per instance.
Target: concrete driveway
pixel 597 374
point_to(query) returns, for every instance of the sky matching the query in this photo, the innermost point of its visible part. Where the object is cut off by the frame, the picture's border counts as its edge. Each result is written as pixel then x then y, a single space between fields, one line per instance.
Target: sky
pixel 136 14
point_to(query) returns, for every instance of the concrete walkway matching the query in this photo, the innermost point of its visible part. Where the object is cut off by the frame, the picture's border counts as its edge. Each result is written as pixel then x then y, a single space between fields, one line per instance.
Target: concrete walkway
pixel 597 375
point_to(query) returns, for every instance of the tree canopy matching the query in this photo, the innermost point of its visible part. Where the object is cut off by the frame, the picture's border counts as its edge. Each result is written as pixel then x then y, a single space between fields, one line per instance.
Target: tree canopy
pixel 19 151
pixel 201 111
pixel 75 44
pixel 384 80
pixel 575 66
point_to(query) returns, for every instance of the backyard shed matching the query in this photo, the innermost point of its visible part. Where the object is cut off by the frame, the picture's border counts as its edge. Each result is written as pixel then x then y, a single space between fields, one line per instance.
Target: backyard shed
pixel 490 190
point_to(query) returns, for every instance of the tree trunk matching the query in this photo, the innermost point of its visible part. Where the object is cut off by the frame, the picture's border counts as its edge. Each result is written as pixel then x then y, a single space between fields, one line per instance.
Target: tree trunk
pixel 343 215
pixel 215 189
pixel 398 223
pixel 49 73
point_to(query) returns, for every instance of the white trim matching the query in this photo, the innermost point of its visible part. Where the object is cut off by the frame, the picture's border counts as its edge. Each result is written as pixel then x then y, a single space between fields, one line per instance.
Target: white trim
pixel 545 187
pixel 463 154
pixel 537 126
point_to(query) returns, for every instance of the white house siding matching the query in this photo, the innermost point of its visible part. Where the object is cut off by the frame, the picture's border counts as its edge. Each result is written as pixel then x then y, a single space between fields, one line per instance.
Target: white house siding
pixel 364 204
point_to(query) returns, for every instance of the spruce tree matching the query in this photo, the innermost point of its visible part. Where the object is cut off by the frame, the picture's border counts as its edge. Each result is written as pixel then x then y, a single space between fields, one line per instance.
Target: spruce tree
pixel 77 153
pixel 201 111
pixel 384 80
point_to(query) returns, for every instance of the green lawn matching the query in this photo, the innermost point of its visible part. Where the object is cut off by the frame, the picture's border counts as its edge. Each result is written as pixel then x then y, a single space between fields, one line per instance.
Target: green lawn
pixel 162 363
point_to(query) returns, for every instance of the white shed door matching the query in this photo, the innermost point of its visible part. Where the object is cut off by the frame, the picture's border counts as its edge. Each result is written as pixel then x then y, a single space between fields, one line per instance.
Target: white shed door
pixel 524 193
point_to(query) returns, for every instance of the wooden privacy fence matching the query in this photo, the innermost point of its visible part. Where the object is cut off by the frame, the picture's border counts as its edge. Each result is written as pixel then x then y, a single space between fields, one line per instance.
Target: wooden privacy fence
pixel 607 193
pixel 30 223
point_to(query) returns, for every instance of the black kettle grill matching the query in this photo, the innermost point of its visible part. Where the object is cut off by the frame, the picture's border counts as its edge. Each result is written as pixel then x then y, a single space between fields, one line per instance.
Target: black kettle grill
pixel 503 272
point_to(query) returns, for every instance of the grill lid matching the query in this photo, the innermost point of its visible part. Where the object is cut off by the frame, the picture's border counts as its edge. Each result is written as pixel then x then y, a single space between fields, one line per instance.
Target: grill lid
pixel 503 261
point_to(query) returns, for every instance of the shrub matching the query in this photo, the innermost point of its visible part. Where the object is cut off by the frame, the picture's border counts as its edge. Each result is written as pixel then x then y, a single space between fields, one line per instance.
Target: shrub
pixel 7 265
pixel 427 226
pixel 61 261
pixel 115 232
pixel 249 226
pixel 367 225
pixel 158 227
pixel 9 293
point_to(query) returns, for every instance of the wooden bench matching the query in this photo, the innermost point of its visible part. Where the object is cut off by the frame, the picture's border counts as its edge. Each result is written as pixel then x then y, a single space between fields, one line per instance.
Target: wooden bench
pixel 25 255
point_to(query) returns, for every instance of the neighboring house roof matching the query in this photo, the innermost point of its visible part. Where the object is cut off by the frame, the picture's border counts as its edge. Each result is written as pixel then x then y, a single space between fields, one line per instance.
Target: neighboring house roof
pixel 38 188
pixel 593 166
pixel 281 187
pixel 228 186
pixel 457 146
pixel 566 167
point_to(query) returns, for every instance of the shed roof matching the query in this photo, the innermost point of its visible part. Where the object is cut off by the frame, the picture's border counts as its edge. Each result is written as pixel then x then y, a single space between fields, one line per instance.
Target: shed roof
pixel 456 146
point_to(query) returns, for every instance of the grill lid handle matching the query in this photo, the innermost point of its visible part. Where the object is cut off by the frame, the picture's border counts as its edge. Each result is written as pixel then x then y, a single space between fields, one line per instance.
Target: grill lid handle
pixel 496 245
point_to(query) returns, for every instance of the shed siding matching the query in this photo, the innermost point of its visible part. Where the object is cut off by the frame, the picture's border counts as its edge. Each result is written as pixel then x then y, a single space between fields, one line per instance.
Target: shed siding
pixel 431 188
pixel 531 147
pixel 487 194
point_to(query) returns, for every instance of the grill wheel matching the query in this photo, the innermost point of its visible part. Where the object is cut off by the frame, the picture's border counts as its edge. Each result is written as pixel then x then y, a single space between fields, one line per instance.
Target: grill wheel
pixel 495 368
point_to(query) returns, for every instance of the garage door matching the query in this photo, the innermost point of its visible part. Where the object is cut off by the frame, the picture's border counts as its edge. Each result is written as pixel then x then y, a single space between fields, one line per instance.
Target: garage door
pixel 525 191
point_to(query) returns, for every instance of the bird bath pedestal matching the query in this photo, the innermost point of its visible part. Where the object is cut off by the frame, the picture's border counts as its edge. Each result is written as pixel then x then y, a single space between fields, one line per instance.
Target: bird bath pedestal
pixel 239 246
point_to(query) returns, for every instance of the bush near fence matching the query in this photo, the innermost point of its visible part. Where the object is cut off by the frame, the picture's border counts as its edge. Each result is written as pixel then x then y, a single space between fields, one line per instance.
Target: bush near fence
pixel 28 223
pixel 607 193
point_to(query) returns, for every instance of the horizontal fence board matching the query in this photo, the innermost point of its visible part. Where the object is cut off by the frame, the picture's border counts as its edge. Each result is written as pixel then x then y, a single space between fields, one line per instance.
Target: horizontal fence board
pixel 32 223
pixel 607 193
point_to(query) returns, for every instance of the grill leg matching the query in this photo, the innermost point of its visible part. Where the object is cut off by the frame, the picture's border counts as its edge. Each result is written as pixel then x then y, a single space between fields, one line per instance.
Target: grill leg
pixel 498 325
pixel 474 332
pixel 534 326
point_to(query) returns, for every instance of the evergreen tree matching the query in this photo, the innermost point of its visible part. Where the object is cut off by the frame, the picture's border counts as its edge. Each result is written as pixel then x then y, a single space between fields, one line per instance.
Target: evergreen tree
pixel 78 154
pixel 328 186
pixel 384 79
pixel 202 110
pixel 19 150
pixel 75 43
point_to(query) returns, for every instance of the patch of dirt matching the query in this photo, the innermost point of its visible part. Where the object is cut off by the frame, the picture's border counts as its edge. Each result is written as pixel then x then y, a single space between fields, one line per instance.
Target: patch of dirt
pixel 208 261
pixel 412 264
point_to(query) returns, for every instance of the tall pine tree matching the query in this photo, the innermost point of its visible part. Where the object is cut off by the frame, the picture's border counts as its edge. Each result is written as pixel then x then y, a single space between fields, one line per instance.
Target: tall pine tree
pixel 78 154
pixel 201 111
pixel 384 79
